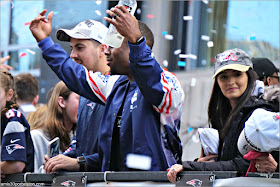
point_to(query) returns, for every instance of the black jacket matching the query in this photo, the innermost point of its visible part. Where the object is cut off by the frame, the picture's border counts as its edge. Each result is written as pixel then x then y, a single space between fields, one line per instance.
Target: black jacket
pixel 231 159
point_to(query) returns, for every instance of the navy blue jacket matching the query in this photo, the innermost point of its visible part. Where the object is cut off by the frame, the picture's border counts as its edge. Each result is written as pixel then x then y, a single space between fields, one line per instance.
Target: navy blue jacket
pixel 86 141
pixel 16 142
pixel 152 108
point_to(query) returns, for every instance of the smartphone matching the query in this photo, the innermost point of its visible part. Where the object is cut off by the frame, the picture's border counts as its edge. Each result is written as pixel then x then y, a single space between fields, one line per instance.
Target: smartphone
pixel 53 147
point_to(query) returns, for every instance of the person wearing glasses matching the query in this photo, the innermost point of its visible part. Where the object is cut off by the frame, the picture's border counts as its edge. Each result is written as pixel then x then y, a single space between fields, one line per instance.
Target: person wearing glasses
pixel 266 71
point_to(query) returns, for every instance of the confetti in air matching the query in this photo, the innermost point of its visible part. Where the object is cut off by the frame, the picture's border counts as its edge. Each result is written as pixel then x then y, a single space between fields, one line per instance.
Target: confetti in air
pixel 252 38
pixel 30 51
pixel 209 10
pixel 183 56
pixel 203 62
pixel 27 23
pixel 177 52
pixel 210 44
pixel 194 57
pixel 191 56
pixel 205 1
pixel 168 37
pixel 138 11
pixel 22 55
pixel 213 31
pixel 181 63
pixel 98 2
pixel 190 129
pixel 150 16
pixel 205 37
pixel 193 82
pixel 98 12
pixel 165 63
pixel 164 32
pixel 187 18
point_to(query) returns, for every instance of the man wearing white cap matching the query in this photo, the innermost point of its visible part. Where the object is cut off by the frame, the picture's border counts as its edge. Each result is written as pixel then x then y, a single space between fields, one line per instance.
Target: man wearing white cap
pixel 88 49
pixel 143 102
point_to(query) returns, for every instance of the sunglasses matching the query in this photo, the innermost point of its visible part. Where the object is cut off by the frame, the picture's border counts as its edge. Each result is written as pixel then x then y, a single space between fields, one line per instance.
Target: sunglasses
pixel 276 77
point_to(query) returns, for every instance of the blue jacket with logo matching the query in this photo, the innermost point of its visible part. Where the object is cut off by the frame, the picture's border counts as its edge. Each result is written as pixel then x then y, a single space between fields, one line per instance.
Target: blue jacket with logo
pixel 152 108
pixel 85 142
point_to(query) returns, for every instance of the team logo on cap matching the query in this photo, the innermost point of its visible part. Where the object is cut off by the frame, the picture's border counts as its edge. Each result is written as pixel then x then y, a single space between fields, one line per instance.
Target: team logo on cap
pixel 276 117
pixel 194 182
pixel 11 148
pixel 227 56
pixel 89 23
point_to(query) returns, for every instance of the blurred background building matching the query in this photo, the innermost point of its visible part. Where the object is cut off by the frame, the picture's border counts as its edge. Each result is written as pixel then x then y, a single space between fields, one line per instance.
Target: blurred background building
pixel 188 35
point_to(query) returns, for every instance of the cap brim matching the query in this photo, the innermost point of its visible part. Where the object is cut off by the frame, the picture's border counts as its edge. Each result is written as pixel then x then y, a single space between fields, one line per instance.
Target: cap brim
pixel 66 35
pixel 242 144
pixel 237 67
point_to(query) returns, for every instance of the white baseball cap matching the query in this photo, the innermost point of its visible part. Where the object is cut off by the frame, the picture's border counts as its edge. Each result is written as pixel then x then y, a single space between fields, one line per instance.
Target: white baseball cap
pixel 88 29
pixel 261 132
pixel 209 139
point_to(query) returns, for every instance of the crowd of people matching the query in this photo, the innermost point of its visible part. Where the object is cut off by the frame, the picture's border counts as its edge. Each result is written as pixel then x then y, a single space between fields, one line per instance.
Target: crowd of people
pixel 112 102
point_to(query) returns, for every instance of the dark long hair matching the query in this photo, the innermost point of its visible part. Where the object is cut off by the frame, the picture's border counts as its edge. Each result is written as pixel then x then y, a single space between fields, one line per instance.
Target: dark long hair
pixel 220 113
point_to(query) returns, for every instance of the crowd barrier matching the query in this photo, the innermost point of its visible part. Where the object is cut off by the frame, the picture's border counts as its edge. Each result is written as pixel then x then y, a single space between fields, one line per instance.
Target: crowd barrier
pixel 141 178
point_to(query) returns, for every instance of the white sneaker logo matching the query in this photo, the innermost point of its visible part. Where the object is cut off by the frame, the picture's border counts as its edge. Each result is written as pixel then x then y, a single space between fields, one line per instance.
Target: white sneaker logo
pixel 13 141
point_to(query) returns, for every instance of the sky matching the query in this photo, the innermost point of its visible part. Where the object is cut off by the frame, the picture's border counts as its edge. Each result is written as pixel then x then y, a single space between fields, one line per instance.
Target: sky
pixel 256 19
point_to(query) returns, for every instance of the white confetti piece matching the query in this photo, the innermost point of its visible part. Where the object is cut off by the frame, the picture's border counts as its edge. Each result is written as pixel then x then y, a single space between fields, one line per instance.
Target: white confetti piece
pixel 186 18
pixel 98 2
pixel 138 11
pixel 205 37
pixel 205 1
pixel 177 52
pixel 30 51
pixel 183 56
pixel 203 62
pixel 168 37
pixel 165 63
pixel 192 56
pixel 136 161
pixel 98 12
pixel 209 10
pixel 193 82
pixel 195 138
pixel 213 31
pixel 210 44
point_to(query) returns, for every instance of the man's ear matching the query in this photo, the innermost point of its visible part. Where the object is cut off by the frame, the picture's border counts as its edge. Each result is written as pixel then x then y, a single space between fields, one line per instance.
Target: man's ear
pixel 61 102
pixel 35 100
pixel 103 48
pixel 10 94
pixel 268 81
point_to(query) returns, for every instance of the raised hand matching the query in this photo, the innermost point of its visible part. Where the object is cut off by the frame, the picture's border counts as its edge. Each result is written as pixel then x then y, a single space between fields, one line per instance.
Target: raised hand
pixel 125 23
pixel 41 26
pixel 5 66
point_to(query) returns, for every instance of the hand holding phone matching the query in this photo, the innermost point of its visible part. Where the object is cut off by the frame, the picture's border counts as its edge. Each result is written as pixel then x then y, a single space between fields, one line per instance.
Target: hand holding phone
pixel 53 147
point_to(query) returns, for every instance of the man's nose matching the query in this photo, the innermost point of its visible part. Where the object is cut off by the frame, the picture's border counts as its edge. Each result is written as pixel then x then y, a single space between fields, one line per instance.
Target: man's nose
pixel 108 50
pixel 73 54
